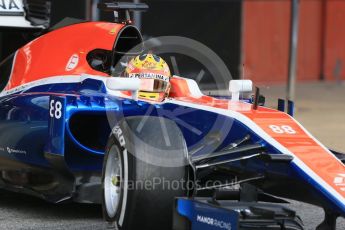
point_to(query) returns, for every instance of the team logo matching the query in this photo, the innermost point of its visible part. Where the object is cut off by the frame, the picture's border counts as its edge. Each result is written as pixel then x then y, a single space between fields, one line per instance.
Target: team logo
pixel 339 181
pixel 149 76
pixel 149 65
pixel 15 151
pixel 72 62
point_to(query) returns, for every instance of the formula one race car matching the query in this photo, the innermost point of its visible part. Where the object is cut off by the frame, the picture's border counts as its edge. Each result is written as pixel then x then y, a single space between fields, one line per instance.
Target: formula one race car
pixel 73 130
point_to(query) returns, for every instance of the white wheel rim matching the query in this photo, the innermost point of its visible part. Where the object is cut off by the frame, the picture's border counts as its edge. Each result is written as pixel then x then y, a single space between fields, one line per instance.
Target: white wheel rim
pixel 113 181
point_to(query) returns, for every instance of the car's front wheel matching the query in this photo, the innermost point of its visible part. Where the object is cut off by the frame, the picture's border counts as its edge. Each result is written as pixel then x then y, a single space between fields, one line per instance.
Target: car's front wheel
pixel 138 193
pixel 112 180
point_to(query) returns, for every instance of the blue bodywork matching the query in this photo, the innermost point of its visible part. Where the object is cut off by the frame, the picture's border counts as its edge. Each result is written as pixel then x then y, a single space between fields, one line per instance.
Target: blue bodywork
pixel 53 138
pixel 205 216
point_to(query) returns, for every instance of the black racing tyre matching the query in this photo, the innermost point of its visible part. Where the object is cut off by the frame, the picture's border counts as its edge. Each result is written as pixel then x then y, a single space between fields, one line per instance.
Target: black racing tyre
pixel 136 174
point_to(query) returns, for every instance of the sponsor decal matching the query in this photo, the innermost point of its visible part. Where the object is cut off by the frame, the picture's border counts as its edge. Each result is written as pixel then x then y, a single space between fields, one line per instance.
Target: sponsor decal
pixel 119 134
pixel 213 222
pixel 15 151
pixel 339 181
pixel 149 64
pixel 150 76
pixel 11 8
pixel 50 80
pixel 10 5
pixel 18 89
pixel 72 62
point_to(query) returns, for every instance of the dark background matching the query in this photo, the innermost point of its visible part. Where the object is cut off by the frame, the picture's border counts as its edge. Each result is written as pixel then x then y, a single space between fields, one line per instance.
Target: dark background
pixel 216 24
pixel 12 39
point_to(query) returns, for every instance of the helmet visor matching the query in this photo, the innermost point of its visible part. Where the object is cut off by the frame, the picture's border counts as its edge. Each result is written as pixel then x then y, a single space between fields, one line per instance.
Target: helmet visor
pixel 154 85
pixel 152 82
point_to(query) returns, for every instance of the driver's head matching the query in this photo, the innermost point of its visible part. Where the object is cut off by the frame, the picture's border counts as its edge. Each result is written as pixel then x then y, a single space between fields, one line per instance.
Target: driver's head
pixel 156 73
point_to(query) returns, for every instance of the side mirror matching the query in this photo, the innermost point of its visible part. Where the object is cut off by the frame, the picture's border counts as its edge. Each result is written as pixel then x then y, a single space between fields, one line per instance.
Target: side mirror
pixel 239 86
pixel 124 84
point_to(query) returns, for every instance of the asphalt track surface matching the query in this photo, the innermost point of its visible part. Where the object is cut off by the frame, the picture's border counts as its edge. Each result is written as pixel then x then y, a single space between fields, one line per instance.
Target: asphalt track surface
pixel 19 211
pixel 24 212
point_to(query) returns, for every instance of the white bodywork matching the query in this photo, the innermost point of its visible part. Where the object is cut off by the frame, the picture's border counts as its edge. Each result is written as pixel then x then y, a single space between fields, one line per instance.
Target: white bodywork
pixel 12 14
pixel 239 86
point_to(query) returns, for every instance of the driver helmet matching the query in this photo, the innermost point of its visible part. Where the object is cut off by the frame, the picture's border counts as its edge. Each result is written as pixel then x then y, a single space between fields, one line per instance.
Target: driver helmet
pixel 156 73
